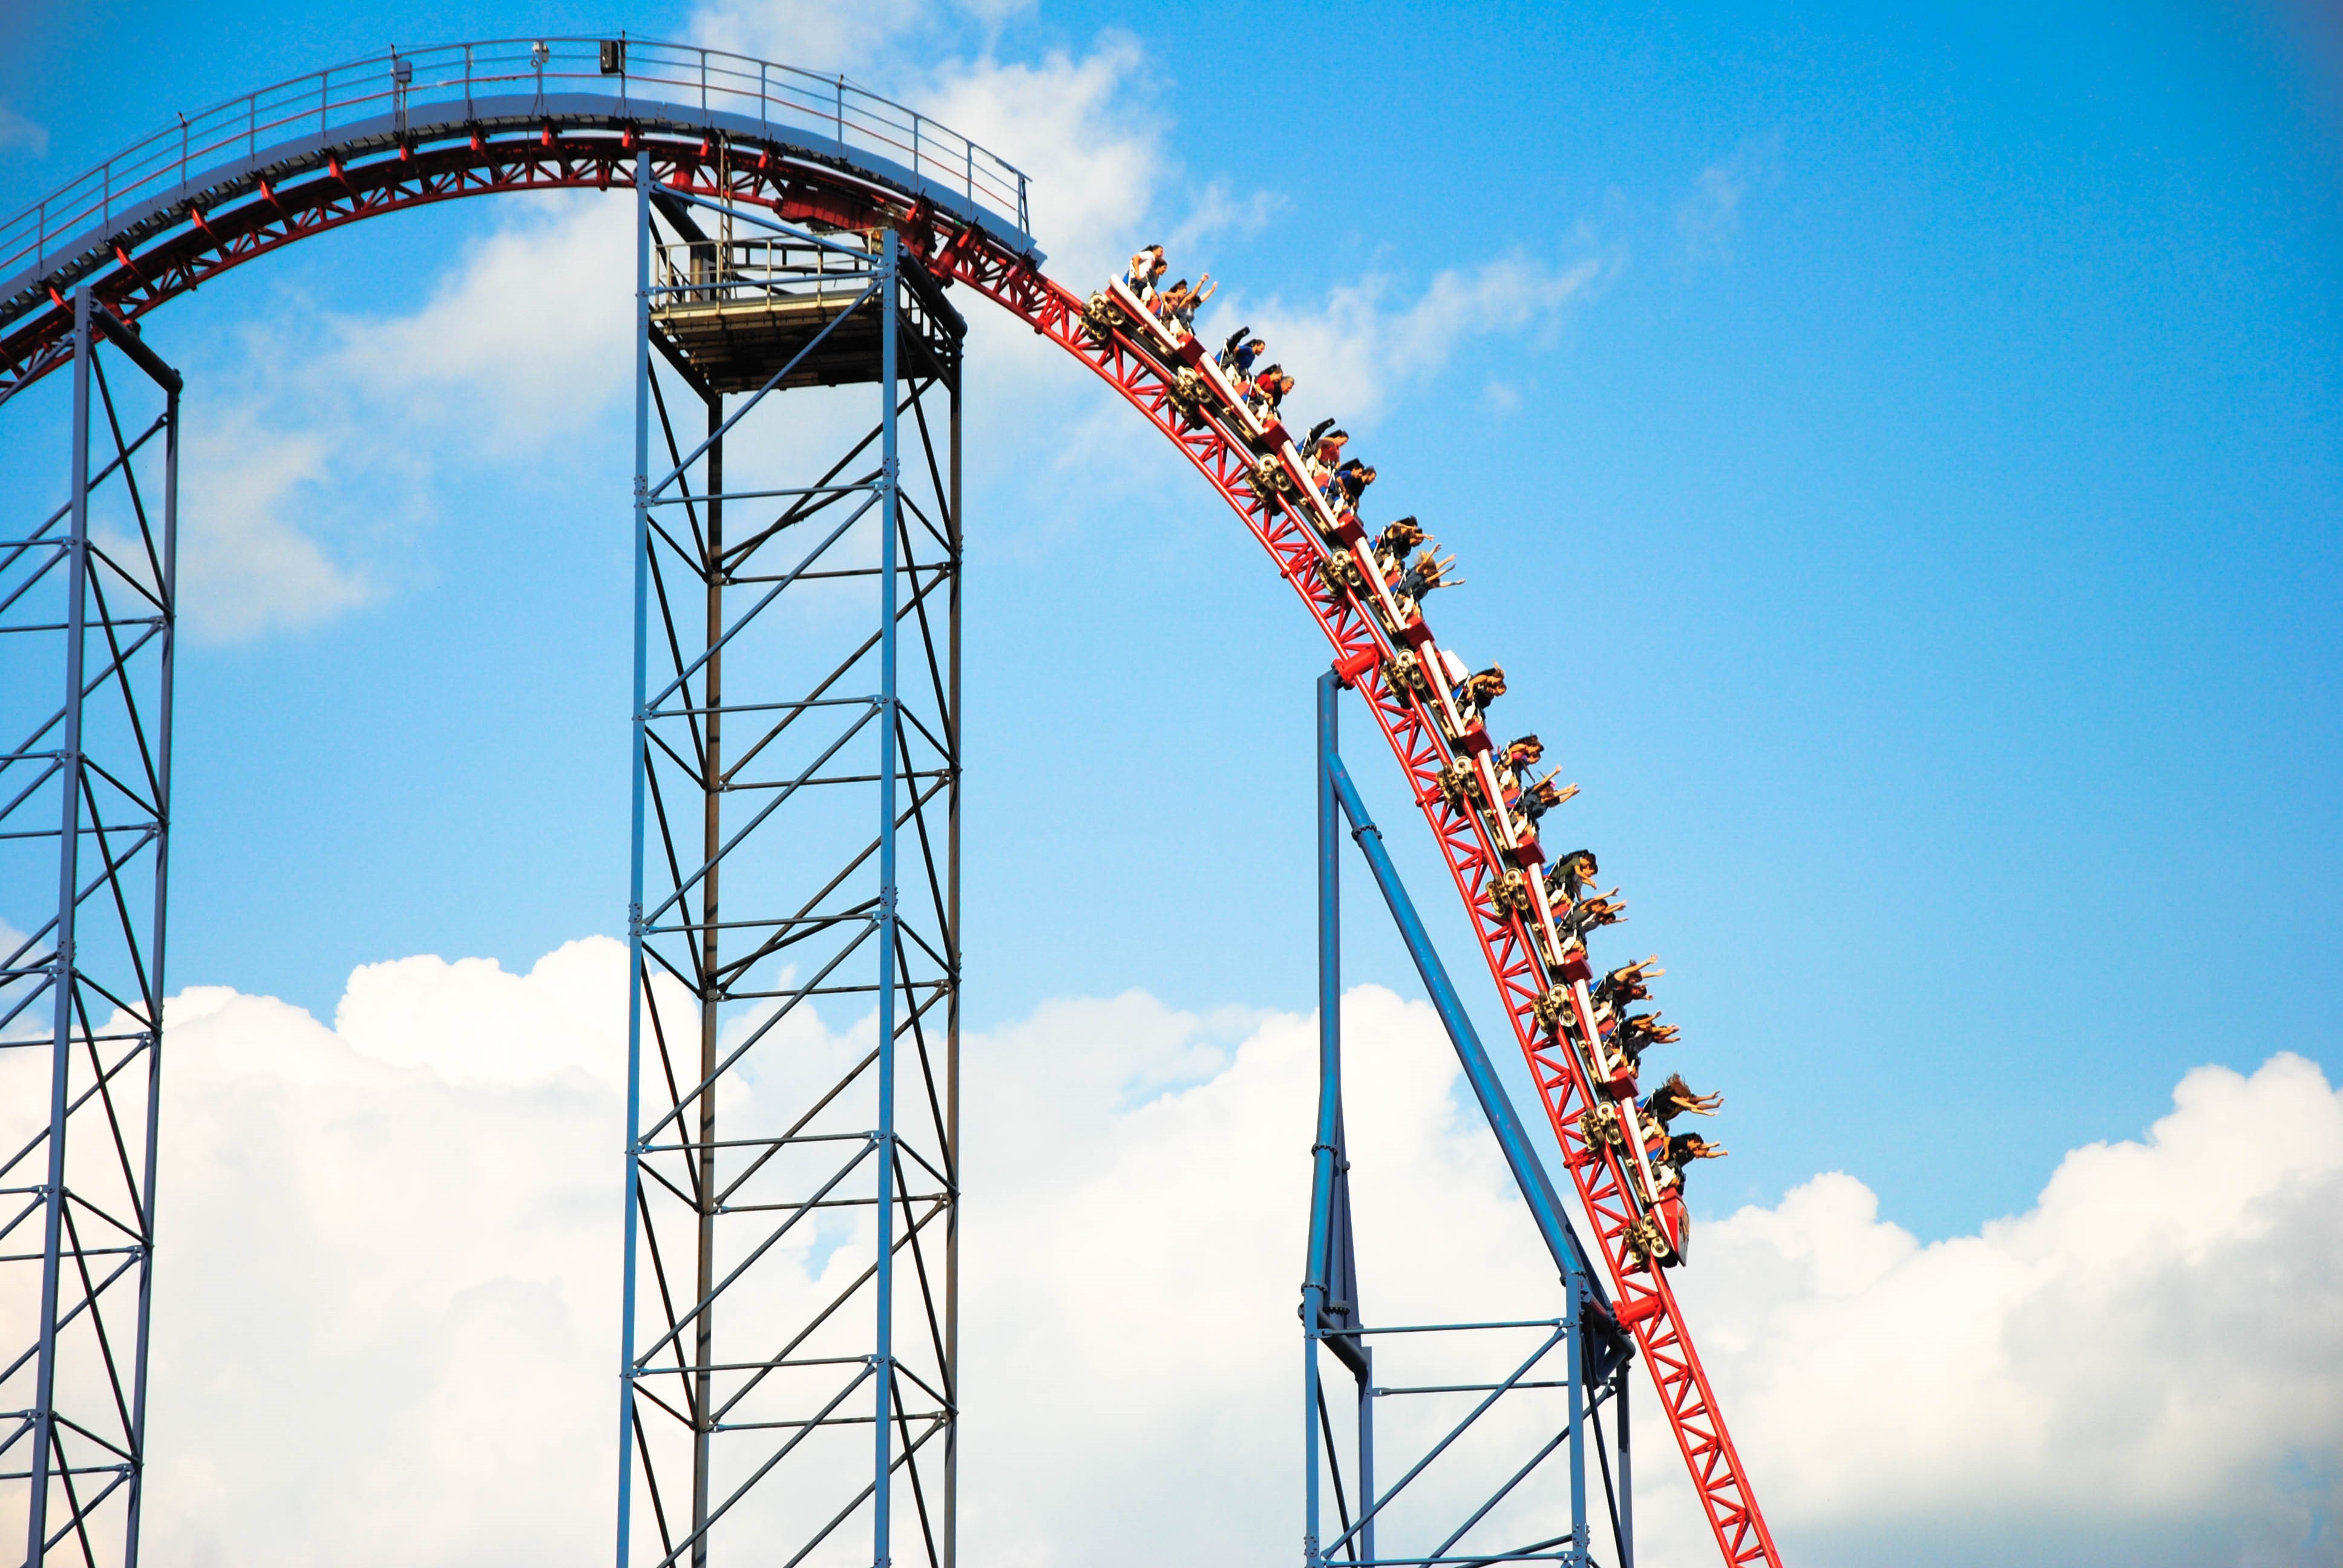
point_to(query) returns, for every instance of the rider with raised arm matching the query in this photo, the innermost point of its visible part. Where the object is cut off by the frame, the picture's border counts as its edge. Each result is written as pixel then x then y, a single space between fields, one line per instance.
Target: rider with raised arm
pixel 1674 1098
pixel 1628 984
pixel 1394 543
pixel 1239 354
pixel 1177 306
pixel 1534 802
pixel 1638 1032
pixel 1428 572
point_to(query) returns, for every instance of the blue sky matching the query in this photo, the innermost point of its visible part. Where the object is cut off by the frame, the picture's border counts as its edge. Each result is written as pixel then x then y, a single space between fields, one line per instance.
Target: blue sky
pixel 1924 526
pixel 1899 457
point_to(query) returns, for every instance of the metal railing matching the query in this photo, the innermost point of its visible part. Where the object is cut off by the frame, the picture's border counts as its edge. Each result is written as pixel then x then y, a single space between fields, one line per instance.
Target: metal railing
pixel 686 273
pixel 177 159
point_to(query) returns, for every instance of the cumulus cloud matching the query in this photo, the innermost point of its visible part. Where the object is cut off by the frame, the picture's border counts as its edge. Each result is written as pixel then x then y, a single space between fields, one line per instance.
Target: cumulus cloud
pixel 248 562
pixel 528 336
pixel 386 1307
pixel 1372 348
pixel 321 453
pixel 2157 1345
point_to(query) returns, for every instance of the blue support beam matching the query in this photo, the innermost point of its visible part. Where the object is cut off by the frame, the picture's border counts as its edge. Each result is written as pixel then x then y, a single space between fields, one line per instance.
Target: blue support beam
pixel 1520 1157
pixel 1330 1272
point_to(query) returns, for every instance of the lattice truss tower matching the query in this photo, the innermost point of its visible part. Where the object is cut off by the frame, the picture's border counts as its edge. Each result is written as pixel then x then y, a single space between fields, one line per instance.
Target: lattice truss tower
pixel 796 1168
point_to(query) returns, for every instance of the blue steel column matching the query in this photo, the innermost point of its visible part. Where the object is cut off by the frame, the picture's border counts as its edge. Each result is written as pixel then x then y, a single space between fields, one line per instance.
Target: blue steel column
pixel 1367 1450
pixel 1330 1068
pixel 168 587
pixel 882 1362
pixel 1574 1324
pixel 68 882
pixel 1626 1478
pixel 636 768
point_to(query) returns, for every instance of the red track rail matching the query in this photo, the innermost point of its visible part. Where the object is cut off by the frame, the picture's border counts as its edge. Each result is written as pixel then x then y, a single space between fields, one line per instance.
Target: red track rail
pixel 441 163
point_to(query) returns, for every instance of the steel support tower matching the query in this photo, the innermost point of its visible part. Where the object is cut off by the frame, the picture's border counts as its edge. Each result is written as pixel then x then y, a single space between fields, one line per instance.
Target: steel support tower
pixel 87 589
pixel 789 1363
pixel 1584 1343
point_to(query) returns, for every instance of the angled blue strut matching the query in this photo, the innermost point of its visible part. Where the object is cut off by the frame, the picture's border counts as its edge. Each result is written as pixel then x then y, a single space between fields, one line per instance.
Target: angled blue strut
pixel 1570 1257
pixel 1595 1348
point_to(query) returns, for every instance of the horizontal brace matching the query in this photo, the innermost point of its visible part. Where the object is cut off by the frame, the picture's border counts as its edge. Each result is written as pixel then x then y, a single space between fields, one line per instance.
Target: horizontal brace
pixel 1429 1561
pixel 834 1203
pixel 138 824
pixel 94 623
pixel 686 1369
pixel 908 569
pixel 1454 1328
pixel 756 495
pixel 73 1253
pixel 45 1040
pixel 904 775
pixel 937 1415
pixel 760 1142
pixel 724 708
pixel 839 990
pixel 1459 1387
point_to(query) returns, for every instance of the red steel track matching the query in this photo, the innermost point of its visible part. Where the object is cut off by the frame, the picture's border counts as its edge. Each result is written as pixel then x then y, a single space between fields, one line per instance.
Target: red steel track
pixel 231 224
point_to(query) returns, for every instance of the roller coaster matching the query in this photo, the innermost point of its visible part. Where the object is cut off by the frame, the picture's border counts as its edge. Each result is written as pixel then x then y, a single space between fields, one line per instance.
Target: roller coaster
pixel 793 232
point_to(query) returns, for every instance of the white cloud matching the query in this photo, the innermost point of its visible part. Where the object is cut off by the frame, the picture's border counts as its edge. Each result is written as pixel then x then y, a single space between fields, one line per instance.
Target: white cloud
pixel 1364 349
pixel 21 134
pixel 528 336
pixel 1081 129
pixel 247 563
pixel 1709 219
pixel 2160 1340
pixel 1217 212
pixel 385 1300
pixel 314 459
pixel 818 35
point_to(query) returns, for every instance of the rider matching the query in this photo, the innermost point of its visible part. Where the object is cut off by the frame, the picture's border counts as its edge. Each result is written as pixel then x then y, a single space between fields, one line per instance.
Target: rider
pixel 1625 986
pixel 1239 354
pixel 1322 448
pixel 1638 1032
pixel 1394 543
pixel 1473 694
pixel 1673 1098
pixel 1181 312
pixel 1145 268
pixel 1269 389
pixel 1541 797
pixel 1428 572
pixel 1573 871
